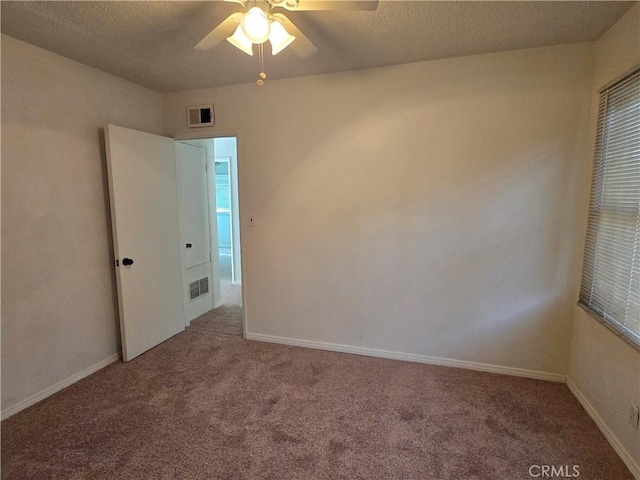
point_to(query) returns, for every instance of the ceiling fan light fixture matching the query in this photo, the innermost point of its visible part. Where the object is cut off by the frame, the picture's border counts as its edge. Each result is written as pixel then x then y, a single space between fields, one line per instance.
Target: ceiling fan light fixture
pixel 240 41
pixel 256 26
pixel 279 37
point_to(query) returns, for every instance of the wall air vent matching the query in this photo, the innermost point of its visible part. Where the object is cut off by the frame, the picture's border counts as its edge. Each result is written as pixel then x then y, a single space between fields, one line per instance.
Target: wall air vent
pixel 204 285
pixel 194 290
pixel 198 288
pixel 200 116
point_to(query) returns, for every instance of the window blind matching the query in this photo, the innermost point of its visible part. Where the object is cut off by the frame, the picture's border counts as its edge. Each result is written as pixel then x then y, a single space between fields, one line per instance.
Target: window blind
pixel 611 271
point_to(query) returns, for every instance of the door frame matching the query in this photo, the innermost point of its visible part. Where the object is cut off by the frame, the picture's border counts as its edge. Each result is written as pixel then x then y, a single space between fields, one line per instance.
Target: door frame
pixel 220 134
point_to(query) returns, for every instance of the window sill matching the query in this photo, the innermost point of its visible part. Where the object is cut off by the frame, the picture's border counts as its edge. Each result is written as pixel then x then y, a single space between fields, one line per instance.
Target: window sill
pixel 616 331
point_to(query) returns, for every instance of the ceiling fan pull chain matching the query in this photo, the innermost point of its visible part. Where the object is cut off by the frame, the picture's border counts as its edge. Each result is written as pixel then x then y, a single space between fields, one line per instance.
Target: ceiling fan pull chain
pixel 262 75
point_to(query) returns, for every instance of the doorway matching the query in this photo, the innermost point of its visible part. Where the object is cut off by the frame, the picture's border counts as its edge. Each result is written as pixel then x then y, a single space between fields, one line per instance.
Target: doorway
pixel 220 307
pixel 228 220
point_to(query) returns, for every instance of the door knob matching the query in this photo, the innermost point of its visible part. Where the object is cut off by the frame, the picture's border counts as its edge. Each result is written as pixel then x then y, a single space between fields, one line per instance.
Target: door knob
pixel 127 261
pixel 189 245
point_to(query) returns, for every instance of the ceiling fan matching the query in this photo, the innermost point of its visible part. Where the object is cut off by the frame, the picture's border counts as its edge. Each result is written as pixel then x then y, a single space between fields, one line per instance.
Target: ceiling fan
pixel 259 23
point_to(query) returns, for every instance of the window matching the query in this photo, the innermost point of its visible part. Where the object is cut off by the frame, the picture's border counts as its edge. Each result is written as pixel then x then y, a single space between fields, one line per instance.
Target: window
pixel 611 272
pixel 223 187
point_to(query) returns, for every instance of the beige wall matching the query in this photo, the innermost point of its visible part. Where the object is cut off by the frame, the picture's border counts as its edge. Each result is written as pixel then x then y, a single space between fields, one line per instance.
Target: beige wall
pixel 427 209
pixel 58 315
pixel 604 368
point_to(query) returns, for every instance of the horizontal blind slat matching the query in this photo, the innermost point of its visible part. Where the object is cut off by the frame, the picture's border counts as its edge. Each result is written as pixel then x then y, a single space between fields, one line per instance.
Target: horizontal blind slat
pixel 611 264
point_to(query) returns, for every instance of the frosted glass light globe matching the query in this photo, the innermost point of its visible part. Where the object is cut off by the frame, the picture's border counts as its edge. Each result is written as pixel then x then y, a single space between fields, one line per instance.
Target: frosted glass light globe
pixel 240 40
pixel 279 37
pixel 255 25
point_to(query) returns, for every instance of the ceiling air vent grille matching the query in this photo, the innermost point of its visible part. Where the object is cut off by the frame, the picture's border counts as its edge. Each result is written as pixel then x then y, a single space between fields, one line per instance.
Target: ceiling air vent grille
pixel 200 116
pixel 198 288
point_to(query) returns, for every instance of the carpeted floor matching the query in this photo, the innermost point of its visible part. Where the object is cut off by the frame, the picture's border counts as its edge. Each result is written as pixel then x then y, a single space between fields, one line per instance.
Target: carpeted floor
pixel 226 319
pixel 205 406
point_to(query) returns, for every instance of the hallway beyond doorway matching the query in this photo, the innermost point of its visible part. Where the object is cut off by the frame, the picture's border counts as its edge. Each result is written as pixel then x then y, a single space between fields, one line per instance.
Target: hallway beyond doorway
pixel 227 318
pixel 227 209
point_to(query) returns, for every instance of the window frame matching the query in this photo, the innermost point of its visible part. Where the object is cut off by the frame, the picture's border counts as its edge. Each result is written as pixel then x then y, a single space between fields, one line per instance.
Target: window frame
pixel 612 325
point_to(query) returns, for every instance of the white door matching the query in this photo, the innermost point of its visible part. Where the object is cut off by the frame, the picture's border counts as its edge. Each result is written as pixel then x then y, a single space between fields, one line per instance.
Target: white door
pixel 143 190
pixel 194 226
pixel 192 170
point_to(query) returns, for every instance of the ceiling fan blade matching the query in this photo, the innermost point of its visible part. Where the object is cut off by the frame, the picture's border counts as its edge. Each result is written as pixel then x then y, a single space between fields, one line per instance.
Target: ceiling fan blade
pixel 241 2
pixel 218 34
pixel 309 5
pixel 302 46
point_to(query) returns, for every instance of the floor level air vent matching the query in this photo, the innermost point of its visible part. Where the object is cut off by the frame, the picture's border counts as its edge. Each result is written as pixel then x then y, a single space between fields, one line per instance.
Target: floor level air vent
pixel 204 285
pixel 198 288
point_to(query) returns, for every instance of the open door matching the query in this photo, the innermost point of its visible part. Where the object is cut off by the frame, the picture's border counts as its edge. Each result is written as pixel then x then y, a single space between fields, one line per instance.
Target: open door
pixel 143 190
pixel 195 230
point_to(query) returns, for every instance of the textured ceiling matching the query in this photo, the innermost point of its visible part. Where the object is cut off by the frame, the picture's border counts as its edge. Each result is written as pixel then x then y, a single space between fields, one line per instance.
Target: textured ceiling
pixel 151 43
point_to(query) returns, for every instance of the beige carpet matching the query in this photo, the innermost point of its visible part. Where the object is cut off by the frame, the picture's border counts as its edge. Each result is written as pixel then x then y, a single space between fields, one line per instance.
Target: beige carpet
pixel 226 319
pixel 206 406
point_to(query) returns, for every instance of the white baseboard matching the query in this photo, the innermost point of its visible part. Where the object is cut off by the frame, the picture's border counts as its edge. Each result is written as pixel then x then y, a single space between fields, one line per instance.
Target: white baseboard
pixel 27 402
pixel 409 357
pixel 611 437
